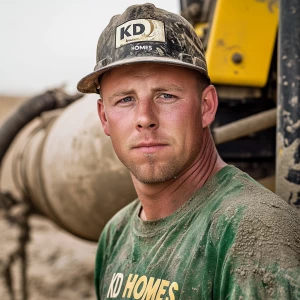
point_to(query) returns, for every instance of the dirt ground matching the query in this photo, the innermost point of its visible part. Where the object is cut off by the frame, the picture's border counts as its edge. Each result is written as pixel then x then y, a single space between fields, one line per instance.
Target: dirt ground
pixel 60 266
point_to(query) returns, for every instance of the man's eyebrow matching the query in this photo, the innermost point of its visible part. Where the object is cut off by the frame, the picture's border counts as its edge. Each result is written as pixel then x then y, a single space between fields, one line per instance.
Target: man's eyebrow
pixel 154 89
pixel 120 94
pixel 168 87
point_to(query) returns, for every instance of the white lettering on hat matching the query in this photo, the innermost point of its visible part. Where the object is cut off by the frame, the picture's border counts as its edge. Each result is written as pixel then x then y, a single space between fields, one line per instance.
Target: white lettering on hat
pixel 140 30
pixel 143 47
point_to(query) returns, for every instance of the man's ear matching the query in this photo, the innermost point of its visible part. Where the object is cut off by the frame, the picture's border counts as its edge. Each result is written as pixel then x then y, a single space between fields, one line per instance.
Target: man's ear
pixel 209 105
pixel 102 116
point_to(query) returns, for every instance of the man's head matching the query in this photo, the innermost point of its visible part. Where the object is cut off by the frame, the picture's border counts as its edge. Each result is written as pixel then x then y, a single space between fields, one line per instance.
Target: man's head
pixel 156 103
pixel 144 33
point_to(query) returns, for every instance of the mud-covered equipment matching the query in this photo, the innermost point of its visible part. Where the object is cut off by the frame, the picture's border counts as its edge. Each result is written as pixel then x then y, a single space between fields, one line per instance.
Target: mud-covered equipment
pixel 144 33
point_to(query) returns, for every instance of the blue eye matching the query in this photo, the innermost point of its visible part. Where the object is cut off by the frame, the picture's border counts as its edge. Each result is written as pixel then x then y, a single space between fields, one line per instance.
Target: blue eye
pixel 167 96
pixel 126 100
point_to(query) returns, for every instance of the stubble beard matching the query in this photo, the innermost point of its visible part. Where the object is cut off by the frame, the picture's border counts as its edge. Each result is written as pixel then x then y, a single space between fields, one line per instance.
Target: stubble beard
pixel 153 172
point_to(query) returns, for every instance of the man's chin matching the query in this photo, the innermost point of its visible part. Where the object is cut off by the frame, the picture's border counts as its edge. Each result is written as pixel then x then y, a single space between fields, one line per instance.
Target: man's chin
pixel 152 177
pixel 151 181
pixel 153 170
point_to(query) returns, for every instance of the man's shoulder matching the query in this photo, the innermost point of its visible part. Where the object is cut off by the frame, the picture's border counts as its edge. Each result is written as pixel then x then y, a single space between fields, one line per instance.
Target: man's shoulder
pixel 233 192
pixel 249 201
pixel 262 226
pixel 239 189
pixel 254 199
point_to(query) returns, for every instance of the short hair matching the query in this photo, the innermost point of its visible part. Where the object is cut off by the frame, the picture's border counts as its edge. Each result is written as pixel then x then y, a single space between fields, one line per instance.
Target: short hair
pixel 202 83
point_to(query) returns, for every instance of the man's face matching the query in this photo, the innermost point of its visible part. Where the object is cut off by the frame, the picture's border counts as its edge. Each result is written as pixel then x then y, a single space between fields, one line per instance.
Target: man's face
pixel 152 112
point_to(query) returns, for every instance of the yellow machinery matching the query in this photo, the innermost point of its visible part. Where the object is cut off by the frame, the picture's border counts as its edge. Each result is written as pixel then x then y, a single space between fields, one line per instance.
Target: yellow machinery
pixel 257 78
pixel 239 38
pixel 241 42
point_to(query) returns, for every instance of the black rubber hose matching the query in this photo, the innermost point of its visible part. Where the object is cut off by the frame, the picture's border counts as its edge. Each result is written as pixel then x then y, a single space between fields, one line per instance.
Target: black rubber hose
pixel 29 110
pixel 22 116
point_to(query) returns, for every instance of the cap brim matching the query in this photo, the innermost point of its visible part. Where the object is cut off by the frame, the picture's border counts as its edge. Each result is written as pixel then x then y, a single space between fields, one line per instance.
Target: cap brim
pixel 89 83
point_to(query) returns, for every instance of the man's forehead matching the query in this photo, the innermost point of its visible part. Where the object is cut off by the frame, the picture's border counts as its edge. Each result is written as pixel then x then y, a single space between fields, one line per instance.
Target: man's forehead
pixel 149 76
pixel 139 69
pixel 147 69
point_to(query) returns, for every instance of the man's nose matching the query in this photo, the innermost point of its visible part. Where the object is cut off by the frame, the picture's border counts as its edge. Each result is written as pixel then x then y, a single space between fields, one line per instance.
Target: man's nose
pixel 146 116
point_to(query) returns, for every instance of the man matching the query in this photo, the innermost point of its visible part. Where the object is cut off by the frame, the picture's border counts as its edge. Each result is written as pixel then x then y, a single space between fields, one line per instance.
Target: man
pixel 200 229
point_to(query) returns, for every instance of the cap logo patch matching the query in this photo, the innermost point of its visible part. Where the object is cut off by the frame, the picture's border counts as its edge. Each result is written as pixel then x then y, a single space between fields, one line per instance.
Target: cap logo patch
pixel 140 30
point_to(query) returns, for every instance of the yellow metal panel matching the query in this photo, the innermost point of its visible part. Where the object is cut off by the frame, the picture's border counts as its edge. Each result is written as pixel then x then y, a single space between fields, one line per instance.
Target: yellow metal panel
pixel 241 41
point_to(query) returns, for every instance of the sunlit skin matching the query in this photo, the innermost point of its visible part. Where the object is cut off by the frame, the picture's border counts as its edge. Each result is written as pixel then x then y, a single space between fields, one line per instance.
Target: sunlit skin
pixel 157 119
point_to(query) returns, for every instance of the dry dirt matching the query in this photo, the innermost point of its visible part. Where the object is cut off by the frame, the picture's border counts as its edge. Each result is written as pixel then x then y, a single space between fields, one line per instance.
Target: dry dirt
pixel 60 266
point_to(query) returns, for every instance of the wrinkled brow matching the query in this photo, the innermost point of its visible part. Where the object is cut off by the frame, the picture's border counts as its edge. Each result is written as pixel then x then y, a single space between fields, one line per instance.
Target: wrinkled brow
pixel 165 88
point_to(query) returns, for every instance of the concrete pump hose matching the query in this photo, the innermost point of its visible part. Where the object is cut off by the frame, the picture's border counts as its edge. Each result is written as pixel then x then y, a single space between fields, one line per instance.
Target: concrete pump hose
pixel 244 127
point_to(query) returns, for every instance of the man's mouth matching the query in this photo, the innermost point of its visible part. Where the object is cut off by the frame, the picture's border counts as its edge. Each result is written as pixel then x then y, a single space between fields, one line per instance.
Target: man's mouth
pixel 149 147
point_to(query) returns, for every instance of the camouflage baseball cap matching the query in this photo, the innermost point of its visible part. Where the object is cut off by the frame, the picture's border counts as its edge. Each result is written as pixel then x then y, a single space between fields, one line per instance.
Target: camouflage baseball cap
pixel 144 33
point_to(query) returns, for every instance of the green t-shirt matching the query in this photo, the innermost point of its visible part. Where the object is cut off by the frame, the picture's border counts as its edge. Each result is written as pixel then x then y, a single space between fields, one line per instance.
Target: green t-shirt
pixel 233 239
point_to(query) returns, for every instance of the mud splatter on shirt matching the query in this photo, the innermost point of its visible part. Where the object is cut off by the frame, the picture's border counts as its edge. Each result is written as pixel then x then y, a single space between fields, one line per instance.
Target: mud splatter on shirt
pixel 233 239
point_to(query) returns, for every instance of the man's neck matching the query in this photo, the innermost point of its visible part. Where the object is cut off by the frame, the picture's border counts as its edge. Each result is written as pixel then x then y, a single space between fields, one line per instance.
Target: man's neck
pixel 161 200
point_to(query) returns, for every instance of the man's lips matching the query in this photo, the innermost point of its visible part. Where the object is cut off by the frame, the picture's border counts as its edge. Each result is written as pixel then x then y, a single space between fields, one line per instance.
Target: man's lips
pixel 147 147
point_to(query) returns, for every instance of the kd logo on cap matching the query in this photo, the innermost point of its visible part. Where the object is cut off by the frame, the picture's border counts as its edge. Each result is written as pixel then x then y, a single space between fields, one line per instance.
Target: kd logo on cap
pixel 140 30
